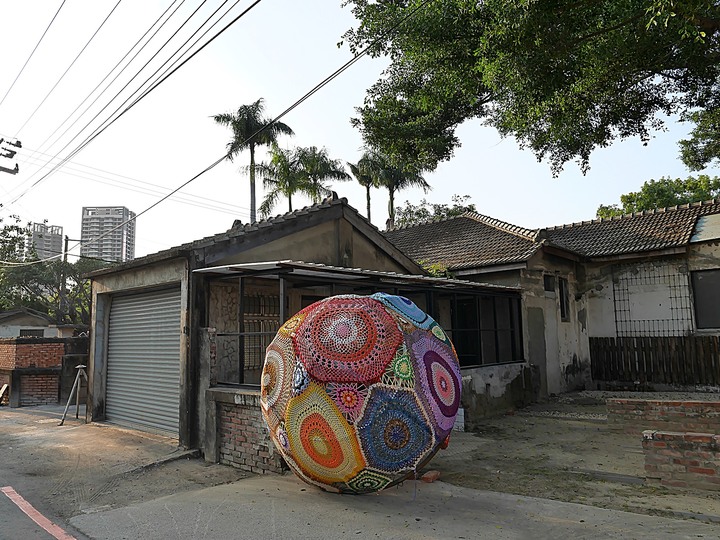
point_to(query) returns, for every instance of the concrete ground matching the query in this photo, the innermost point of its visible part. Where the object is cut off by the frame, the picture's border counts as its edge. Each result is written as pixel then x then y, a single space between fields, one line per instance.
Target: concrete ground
pixel 97 481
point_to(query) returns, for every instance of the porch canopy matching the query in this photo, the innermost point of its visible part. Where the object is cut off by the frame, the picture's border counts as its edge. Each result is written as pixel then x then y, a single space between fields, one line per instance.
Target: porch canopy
pixel 305 272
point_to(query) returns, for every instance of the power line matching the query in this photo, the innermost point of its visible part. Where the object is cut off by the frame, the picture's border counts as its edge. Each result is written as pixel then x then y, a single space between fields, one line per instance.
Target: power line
pixel 151 189
pixel 69 67
pixel 32 53
pixel 29 179
pixel 304 98
pixel 113 69
pixel 108 123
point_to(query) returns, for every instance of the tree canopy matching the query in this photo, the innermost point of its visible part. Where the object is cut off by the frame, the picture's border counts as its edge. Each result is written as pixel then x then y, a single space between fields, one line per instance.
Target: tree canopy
pixel 663 193
pixel 411 214
pixel 250 129
pixel 54 287
pixel 562 77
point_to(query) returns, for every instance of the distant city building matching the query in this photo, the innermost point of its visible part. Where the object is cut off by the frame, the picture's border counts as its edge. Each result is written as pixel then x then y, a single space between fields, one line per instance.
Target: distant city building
pixel 108 233
pixel 45 240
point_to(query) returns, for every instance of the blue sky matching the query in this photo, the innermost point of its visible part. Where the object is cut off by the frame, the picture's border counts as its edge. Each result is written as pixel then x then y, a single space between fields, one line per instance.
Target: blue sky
pixel 278 51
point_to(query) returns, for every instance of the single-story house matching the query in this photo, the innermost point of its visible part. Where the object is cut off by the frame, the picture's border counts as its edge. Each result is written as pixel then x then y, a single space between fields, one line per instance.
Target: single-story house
pixel 652 277
pixel 26 322
pixel 178 337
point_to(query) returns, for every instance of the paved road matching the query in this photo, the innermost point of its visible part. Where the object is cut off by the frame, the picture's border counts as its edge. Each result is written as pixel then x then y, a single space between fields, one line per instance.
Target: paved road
pixel 271 507
pixel 15 524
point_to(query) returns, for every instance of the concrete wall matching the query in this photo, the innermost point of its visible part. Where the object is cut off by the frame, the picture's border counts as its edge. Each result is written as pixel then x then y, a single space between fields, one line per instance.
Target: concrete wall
pixel 566 363
pixel 14 330
pixel 488 390
pixel 335 243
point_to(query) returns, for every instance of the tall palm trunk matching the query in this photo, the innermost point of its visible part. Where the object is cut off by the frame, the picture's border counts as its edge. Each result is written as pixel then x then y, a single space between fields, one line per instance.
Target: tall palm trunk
pixel 252 184
pixel 367 198
pixel 391 207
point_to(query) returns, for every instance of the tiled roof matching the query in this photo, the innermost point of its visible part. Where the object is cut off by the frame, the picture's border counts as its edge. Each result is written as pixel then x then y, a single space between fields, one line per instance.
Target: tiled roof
pixel 651 230
pixel 467 241
pixel 473 240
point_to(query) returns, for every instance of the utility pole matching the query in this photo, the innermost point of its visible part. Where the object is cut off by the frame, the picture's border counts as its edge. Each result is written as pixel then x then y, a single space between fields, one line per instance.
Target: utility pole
pixel 9 153
pixel 63 281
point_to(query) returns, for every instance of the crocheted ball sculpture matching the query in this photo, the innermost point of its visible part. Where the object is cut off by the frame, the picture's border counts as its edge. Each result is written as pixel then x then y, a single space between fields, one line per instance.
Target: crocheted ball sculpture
pixel 359 392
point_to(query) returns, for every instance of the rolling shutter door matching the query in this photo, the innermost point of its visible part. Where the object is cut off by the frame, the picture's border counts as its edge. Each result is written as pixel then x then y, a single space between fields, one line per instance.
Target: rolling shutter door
pixel 143 362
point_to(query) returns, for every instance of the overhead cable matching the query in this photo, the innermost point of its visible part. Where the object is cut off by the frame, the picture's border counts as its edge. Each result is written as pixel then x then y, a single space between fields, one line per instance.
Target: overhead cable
pixel 32 53
pixel 68 68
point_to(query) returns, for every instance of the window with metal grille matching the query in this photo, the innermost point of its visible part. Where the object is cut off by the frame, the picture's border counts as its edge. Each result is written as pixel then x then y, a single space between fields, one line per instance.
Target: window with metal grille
pixel 260 322
pixel 32 333
pixel 652 299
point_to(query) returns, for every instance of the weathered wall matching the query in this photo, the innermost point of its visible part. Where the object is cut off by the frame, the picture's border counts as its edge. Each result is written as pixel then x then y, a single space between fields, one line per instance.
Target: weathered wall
pixel 704 256
pixel 684 460
pixel 566 349
pixel 657 294
pixel 236 433
pixel 8 331
pixel 489 390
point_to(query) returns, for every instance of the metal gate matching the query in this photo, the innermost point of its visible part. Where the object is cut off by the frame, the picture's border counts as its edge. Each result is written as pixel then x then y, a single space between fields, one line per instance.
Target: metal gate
pixel 143 361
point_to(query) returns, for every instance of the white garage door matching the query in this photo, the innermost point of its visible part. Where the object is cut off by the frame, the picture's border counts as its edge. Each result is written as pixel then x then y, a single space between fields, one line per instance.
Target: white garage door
pixel 143 361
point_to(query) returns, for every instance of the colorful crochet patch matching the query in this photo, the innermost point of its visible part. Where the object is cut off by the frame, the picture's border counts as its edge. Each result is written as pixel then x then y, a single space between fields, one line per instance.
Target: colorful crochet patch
pixel 359 392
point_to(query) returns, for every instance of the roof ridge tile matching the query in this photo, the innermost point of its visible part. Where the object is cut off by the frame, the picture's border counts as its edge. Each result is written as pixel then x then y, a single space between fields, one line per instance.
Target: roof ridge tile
pixel 661 210
pixel 517 230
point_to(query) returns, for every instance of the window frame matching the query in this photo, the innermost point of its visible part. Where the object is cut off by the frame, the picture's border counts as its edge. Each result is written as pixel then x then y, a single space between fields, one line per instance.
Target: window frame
pixel 701 299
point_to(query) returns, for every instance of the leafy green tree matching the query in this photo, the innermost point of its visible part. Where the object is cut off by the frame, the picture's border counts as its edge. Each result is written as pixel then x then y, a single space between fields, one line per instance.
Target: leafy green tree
pixel 410 214
pixel 246 124
pixel 663 193
pixel 366 173
pixel 562 77
pixel 317 167
pixel 55 287
pixel 703 147
pixel 282 177
pixel 13 239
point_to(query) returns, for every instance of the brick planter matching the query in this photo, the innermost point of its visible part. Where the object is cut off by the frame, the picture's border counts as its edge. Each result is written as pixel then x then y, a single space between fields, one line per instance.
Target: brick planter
pixel 638 415
pixel 685 460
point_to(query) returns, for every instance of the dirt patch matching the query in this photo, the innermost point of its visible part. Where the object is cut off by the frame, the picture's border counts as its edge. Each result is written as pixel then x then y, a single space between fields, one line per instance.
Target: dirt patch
pixel 80 467
pixel 564 450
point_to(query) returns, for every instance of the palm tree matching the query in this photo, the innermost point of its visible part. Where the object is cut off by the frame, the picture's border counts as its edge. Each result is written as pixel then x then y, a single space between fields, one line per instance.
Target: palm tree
pixel 281 177
pixel 396 179
pixel 317 166
pixel 251 129
pixel 366 172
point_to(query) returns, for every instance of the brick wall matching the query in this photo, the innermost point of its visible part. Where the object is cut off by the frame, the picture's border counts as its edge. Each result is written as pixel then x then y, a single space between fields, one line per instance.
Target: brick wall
pixel 31 352
pixel 637 415
pixel 243 438
pixel 43 357
pixel 686 460
pixel 39 354
pixel 39 389
pixel 7 353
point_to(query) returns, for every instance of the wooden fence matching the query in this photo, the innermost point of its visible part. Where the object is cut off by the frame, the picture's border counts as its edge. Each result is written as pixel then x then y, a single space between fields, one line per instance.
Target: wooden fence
pixel 687 361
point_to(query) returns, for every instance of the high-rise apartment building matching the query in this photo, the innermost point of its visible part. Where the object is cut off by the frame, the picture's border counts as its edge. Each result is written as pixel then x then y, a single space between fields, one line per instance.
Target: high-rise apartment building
pixel 45 240
pixel 108 232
